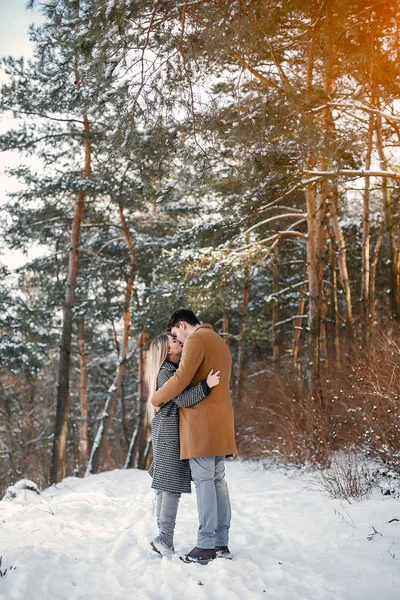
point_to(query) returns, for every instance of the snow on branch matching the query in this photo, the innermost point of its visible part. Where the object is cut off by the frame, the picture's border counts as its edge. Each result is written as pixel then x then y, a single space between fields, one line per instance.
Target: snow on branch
pixel 290 319
pixel 271 220
pixel 300 185
pixel 355 106
pixel 32 113
pixel 291 288
pixel 273 238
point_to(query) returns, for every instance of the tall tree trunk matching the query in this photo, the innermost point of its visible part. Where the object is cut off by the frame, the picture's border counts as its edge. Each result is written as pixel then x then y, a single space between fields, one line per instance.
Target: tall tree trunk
pixel 145 438
pixel 398 258
pixel 129 463
pixel 225 327
pixel 108 411
pixel 58 466
pixel 83 425
pixel 340 245
pixel 388 206
pixel 148 455
pixel 324 163
pixel 124 418
pixel 137 450
pixel 320 221
pixel 312 347
pixel 335 303
pixel 107 414
pixel 313 341
pixel 275 317
pixel 374 268
pixel 298 324
pixel 243 329
pixel 366 271
pixel 225 331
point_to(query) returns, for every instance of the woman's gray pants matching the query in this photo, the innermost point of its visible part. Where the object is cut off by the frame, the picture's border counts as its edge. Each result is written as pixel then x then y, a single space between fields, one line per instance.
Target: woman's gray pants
pixel 166 508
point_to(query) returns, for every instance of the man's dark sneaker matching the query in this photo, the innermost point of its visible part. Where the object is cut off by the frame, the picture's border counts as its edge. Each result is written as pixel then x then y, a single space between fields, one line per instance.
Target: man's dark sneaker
pixel 223 552
pixel 199 555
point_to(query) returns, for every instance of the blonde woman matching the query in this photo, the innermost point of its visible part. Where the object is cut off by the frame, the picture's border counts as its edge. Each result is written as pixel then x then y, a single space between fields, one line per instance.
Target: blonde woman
pixel 171 476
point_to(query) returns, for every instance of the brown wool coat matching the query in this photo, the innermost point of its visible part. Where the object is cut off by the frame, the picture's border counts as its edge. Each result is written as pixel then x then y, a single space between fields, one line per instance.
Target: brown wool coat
pixel 207 428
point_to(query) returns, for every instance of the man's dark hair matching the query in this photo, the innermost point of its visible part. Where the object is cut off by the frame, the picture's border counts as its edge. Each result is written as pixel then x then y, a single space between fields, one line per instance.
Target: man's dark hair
pixel 182 315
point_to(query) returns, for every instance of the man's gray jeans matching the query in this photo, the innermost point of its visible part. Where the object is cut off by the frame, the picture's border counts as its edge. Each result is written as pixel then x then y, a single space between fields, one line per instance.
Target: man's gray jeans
pixel 213 504
pixel 166 508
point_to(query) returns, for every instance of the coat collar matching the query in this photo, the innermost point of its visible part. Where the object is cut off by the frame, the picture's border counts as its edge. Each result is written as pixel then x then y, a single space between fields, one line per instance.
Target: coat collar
pixel 169 366
pixel 205 326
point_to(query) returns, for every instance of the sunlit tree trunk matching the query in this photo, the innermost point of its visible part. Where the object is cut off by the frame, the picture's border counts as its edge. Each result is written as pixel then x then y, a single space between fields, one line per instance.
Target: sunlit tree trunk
pixel 312 346
pixel 335 303
pixel 374 268
pixel 225 327
pixel 314 318
pixel 298 324
pixel 340 245
pixel 58 465
pixel 243 329
pixel 366 270
pixel 83 423
pixel 389 222
pixel 321 197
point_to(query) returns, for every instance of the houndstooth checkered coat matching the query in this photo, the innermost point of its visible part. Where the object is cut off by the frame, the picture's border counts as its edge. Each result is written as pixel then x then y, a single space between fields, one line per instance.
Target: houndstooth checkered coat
pixel 207 428
pixel 170 474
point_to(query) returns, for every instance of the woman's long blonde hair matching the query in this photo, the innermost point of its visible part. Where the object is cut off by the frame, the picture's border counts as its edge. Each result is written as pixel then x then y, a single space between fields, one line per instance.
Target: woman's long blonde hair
pixel 158 352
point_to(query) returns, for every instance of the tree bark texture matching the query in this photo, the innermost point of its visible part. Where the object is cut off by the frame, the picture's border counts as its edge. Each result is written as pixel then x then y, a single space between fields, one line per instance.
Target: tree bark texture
pixel 389 222
pixel 275 317
pixel 243 329
pixel 340 246
pixel 123 346
pixel 335 303
pixel 137 451
pixel 298 324
pixel 313 345
pixel 366 269
pixel 83 425
pixel 374 268
pixel 58 465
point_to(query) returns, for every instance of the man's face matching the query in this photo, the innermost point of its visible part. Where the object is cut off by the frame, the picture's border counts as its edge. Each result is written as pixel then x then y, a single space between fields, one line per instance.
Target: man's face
pixel 180 332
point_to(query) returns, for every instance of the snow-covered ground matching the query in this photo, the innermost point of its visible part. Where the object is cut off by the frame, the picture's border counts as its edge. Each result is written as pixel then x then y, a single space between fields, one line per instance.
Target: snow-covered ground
pixel 88 539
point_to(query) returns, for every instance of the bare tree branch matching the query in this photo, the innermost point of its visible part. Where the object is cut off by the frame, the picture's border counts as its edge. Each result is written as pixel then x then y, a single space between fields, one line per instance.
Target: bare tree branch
pixel 266 80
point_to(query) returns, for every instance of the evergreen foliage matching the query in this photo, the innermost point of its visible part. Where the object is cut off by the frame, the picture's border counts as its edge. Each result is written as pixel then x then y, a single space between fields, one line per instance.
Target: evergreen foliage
pixel 229 146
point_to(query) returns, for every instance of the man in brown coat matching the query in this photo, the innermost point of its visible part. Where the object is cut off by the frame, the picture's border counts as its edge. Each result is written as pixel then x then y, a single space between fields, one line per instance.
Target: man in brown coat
pixel 206 429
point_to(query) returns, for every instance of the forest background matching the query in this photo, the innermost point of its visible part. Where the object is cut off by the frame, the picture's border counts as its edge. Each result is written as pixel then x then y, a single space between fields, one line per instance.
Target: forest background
pixel 239 158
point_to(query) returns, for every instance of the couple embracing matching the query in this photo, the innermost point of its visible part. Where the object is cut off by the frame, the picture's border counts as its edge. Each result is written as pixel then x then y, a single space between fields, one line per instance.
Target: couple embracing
pixel 192 431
